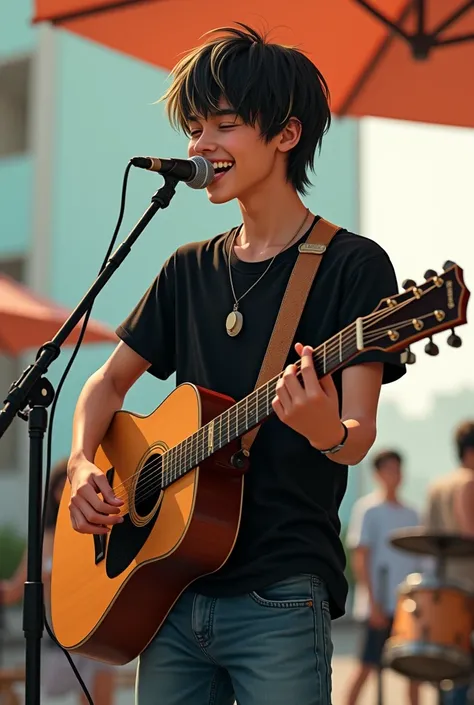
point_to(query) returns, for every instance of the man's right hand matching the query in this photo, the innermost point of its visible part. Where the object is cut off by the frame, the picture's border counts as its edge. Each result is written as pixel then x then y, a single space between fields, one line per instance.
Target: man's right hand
pixel 89 513
pixel 378 619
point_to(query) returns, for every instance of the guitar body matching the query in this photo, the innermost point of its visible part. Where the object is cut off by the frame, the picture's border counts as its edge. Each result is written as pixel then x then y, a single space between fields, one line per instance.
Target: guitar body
pixel 182 492
pixel 110 594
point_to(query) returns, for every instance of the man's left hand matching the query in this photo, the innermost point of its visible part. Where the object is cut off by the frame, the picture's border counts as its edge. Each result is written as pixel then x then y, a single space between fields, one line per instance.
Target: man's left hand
pixel 309 405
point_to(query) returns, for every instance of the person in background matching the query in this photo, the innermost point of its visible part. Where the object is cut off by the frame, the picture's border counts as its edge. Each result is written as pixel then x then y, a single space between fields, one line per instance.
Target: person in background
pixel 378 567
pixel 450 509
pixel 57 676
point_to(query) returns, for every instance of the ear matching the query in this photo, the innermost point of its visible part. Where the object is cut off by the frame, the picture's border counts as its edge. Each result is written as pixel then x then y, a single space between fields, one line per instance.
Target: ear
pixel 290 135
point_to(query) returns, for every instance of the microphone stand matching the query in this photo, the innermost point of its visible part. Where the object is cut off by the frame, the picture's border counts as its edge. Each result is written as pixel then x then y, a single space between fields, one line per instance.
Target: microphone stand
pixel 29 398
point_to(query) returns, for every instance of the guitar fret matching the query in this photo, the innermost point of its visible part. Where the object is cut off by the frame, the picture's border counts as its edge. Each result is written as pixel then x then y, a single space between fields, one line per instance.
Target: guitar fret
pixel 239 420
pixel 192 449
pixel 248 412
pixel 185 444
pixel 235 408
pixel 219 431
pixel 173 463
pixel 179 456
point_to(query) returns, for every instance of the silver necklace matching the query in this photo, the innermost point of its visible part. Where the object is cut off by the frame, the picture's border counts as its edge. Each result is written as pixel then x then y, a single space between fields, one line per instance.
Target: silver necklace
pixel 235 320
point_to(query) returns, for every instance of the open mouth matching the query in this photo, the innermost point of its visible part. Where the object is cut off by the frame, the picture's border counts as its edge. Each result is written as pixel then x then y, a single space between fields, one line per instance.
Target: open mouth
pixel 221 168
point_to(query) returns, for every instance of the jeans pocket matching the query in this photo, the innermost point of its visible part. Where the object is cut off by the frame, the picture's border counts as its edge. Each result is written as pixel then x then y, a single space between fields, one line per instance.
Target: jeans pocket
pixel 324 649
pixel 291 592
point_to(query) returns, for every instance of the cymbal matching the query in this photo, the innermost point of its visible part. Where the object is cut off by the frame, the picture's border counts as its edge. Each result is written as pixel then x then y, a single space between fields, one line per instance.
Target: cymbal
pixel 426 543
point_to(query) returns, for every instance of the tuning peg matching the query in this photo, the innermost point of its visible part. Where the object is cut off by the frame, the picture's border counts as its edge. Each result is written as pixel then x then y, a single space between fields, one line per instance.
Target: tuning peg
pixel 408 284
pixel 430 273
pixel 407 357
pixel 454 340
pixel 431 348
pixel 448 264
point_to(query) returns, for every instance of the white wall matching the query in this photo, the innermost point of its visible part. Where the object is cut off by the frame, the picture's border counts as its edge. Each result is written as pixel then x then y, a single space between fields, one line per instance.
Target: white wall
pixel 417 201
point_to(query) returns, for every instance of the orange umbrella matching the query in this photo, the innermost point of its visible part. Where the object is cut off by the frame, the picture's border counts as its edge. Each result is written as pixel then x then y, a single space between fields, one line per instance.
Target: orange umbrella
pixel 392 58
pixel 27 320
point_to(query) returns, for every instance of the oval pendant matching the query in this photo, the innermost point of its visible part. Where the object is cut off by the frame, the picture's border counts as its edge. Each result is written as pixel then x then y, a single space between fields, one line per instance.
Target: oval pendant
pixel 234 323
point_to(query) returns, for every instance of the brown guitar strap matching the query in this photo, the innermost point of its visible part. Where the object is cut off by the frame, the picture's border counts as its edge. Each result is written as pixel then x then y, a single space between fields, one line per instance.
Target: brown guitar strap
pixel 297 290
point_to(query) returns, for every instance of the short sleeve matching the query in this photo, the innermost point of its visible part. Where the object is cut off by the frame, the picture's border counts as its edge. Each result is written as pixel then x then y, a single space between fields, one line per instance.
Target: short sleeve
pixel 359 532
pixel 150 328
pixel 367 283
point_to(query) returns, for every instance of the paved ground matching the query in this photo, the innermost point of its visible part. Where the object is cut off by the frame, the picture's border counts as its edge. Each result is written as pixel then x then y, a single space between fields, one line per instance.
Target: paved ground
pixel 345 637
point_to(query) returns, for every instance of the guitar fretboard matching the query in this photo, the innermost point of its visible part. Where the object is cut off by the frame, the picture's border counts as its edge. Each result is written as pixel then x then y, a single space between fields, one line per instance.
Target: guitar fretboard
pixel 249 412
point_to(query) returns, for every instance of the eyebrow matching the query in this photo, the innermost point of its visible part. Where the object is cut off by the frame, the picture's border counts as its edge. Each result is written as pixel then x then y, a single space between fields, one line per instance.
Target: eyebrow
pixel 214 113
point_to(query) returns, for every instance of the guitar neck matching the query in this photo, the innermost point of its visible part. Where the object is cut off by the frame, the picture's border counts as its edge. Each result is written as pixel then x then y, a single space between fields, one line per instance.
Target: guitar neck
pixel 252 410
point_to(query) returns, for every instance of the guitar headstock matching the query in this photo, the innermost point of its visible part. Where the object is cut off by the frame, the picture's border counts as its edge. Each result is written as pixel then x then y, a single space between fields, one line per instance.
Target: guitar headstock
pixel 419 312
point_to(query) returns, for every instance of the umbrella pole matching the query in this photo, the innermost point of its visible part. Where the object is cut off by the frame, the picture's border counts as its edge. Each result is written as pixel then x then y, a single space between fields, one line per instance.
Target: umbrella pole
pixel 29 398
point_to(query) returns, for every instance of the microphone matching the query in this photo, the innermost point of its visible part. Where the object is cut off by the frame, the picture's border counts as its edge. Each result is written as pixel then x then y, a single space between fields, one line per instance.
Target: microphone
pixel 196 172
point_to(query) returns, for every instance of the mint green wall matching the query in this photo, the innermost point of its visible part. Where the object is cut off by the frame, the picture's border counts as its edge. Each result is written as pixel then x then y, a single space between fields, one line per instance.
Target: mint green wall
pixel 17 35
pixel 104 116
pixel 15 204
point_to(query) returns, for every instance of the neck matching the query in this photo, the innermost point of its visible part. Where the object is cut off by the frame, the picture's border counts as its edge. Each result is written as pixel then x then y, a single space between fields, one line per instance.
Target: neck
pixel 391 496
pixel 271 215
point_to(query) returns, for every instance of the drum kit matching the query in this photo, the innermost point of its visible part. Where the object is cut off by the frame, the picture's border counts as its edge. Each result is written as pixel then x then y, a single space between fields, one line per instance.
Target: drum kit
pixel 434 616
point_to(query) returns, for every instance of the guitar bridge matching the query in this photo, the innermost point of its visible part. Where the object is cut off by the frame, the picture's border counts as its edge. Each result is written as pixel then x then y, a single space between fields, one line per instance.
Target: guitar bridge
pixel 100 540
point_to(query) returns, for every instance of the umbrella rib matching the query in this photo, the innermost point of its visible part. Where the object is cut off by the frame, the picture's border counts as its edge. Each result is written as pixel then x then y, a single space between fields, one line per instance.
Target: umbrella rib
pixel 393 25
pixel 91 10
pixel 454 17
pixel 372 64
pixel 454 40
pixel 421 17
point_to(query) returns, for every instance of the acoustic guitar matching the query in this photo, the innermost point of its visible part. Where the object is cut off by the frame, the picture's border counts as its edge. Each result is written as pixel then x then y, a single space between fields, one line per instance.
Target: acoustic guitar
pixel 181 474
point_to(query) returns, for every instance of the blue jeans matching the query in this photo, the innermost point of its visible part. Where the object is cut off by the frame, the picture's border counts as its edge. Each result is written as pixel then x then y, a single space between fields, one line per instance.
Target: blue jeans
pixel 272 646
pixel 456 696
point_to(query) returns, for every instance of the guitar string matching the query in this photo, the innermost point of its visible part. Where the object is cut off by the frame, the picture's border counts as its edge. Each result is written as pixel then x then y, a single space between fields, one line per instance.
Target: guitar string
pixel 180 465
pixel 254 403
pixel 346 336
pixel 147 491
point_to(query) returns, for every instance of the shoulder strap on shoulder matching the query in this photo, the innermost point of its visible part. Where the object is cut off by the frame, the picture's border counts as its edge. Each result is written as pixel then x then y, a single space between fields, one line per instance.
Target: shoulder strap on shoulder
pixel 299 284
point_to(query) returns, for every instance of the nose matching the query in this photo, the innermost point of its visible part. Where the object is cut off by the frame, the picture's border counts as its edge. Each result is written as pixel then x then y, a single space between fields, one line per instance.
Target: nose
pixel 203 145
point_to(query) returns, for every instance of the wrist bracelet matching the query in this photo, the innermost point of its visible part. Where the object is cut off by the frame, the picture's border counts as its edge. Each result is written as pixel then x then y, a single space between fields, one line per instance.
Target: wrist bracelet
pixel 340 445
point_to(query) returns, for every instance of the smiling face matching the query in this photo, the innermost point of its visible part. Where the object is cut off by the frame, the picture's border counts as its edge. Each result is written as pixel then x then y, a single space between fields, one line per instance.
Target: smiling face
pixel 243 160
pixel 281 102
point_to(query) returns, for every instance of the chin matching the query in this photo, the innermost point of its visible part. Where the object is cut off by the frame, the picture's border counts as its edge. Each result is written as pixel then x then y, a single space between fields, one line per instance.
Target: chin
pixel 222 193
pixel 218 198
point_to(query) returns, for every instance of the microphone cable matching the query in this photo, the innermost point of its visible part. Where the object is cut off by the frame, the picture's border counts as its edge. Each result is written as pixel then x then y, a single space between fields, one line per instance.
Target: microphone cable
pixel 52 412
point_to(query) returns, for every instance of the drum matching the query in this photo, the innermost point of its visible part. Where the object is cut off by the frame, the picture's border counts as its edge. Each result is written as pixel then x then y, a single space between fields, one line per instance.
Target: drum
pixel 431 634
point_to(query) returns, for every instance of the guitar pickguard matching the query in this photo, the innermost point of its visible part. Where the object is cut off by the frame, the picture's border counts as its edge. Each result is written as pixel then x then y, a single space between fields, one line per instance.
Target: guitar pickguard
pixel 125 542
pixel 100 541
pixel 127 539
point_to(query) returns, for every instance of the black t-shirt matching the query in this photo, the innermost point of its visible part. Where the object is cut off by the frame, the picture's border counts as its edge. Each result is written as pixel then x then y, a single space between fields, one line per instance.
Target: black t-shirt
pixel 292 492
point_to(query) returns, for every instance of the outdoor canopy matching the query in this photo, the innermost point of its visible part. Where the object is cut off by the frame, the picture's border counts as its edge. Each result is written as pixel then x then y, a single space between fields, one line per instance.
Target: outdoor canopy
pixel 28 320
pixel 388 58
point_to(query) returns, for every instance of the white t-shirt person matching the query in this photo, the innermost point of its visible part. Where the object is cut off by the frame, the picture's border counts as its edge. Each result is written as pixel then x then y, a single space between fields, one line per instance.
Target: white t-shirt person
pixel 372 523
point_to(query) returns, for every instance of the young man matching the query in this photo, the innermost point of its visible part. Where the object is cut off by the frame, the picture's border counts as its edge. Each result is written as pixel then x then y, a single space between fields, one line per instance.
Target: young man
pixel 379 568
pixel 450 509
pixel 258 630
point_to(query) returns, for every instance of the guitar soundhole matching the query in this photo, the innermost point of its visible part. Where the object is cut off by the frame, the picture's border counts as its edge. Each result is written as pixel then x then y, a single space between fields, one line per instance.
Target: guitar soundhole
pixel 149 485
